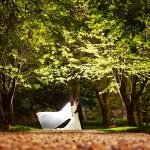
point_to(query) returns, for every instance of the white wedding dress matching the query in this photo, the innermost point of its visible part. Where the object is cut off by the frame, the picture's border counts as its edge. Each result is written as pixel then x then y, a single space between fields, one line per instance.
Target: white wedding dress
pixel 74 123
pixel 51 120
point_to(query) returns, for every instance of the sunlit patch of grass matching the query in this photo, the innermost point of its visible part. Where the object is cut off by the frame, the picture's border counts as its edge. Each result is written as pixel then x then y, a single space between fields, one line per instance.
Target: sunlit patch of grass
pixel 20 128
pixel 144 129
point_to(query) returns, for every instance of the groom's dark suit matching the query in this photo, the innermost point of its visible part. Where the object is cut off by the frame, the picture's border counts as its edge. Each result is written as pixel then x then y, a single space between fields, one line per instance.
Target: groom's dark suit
pixel 80 114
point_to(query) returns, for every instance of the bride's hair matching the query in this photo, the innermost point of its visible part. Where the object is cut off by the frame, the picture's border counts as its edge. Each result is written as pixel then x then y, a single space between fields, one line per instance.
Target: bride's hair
pixel 72 103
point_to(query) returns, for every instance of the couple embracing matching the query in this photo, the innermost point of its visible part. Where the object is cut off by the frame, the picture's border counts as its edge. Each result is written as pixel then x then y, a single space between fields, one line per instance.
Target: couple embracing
pixel 72 112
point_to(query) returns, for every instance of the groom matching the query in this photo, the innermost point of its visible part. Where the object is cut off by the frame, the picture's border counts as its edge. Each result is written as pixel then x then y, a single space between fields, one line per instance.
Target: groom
pixel 79 110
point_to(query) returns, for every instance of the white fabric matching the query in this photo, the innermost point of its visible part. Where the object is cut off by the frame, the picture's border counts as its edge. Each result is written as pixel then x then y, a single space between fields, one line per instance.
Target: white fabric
pixel 51 120
pixel 74 123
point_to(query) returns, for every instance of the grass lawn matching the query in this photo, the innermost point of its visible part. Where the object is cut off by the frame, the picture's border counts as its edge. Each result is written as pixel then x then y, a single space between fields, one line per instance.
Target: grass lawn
pixel 120 128
pixel 144 129
pixel 98 127
pixel 16 128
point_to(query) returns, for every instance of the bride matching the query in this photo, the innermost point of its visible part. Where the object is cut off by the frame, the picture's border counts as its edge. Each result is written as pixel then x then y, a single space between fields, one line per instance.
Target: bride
pixel 52 120
pixel 74 123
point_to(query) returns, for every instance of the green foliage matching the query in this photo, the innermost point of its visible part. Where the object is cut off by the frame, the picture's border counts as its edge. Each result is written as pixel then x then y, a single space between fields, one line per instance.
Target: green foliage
pixel 60 42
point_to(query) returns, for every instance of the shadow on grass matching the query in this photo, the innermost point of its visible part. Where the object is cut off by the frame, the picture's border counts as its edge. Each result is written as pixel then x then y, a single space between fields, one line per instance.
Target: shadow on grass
pixel 93 125
pixel 17 128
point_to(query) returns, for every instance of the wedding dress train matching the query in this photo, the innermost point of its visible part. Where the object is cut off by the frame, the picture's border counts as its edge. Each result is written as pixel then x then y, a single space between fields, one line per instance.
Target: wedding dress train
pixel 51 120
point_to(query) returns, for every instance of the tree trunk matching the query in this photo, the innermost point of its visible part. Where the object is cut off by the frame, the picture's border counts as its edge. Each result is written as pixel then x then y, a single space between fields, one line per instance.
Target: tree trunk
pixel 8 90
pixel 146 116
pixel 130 115
pixel 10 112
pixel 104 102
pixel 8 108
pixel 77 89
pixel 105 116
pixel 139 113
pixel 70 91
pixel 7 102
pixel 2 117
pixel 74 90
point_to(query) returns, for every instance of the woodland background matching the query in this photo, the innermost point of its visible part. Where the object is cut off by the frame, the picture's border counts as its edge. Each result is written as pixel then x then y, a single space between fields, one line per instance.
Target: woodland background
pixel 54 51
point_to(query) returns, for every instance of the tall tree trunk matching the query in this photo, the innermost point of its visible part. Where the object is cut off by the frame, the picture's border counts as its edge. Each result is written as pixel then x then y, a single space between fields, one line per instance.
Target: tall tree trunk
pixel 129 102
pixel 139 113
pixel 8 90
pixel 146 116
pixel 8 108
pixel 130 115
pixel 77 89
pixel 10 102
pixel 74 90
pixel 104 101
pixel 10 112
pixel 7 101
pixel 105 116
pixel 70 91
pixel 2 117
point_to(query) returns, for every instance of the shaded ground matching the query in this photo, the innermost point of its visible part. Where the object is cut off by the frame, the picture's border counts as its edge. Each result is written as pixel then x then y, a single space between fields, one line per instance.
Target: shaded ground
pixel 73 140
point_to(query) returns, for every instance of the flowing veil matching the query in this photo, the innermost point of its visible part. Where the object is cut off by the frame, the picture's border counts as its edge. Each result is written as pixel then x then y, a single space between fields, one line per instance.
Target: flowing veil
pixel 51 120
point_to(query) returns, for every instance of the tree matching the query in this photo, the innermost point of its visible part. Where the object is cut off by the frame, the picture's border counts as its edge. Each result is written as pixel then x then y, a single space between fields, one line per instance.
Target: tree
pixel 19 47
pixel 63 65
pixel 116 30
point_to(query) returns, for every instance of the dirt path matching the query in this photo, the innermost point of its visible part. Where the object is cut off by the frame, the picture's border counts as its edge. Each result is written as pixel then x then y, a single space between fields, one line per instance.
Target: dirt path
pixel 73 140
